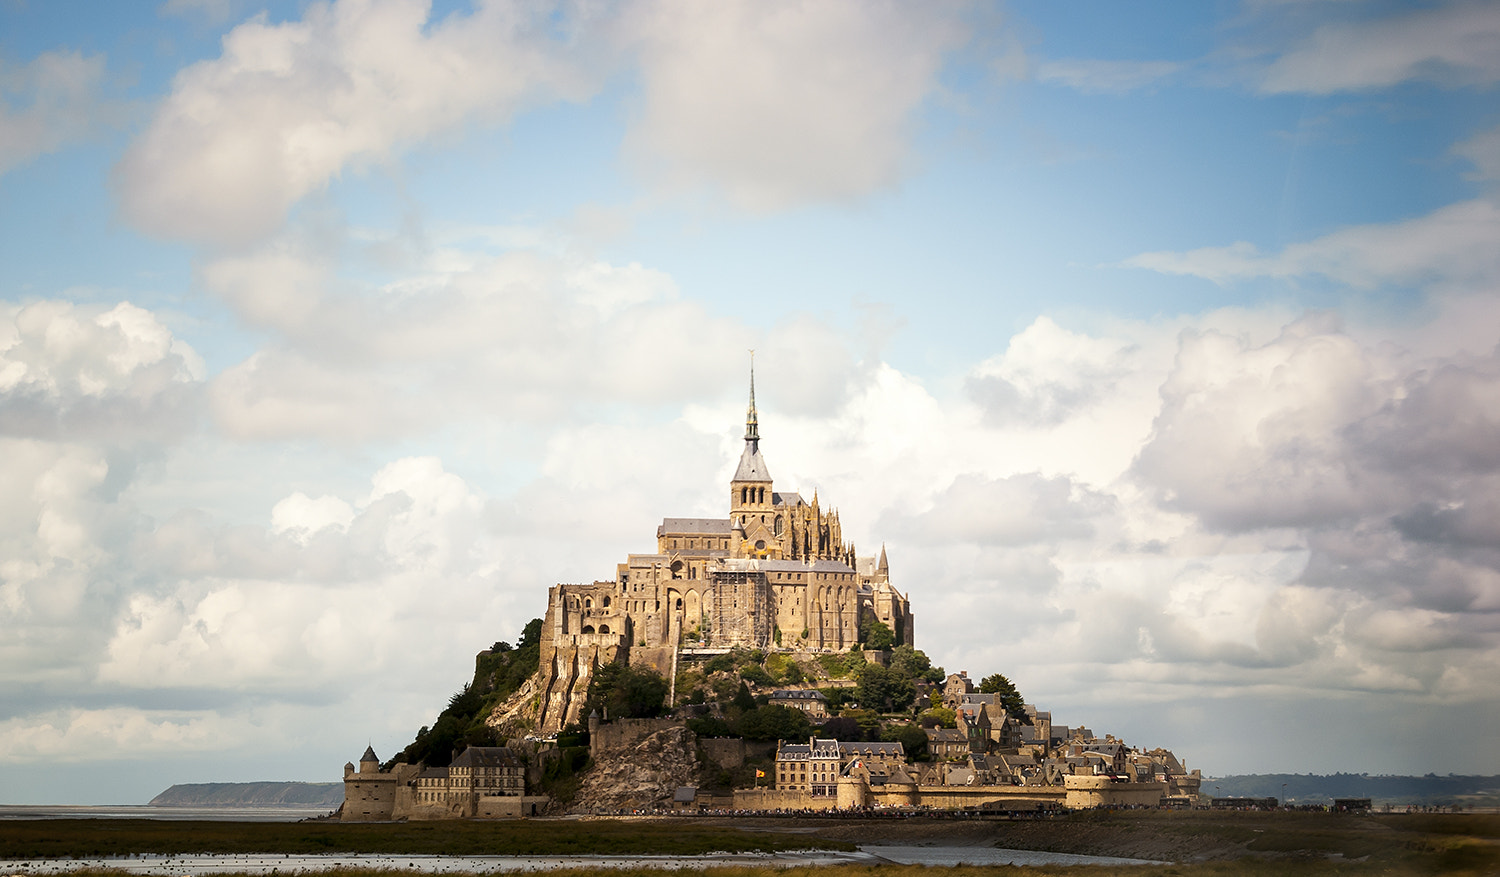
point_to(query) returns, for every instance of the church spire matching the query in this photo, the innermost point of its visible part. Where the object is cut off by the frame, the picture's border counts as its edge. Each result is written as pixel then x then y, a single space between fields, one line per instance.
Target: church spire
pixel 752 423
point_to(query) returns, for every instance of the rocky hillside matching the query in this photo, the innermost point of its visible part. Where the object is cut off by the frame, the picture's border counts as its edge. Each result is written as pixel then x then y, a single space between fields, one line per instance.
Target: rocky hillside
pixel 641 776
pixel 305 795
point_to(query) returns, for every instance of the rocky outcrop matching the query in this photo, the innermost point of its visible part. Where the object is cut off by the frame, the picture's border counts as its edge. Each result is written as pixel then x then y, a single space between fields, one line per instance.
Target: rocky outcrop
pixel 643 775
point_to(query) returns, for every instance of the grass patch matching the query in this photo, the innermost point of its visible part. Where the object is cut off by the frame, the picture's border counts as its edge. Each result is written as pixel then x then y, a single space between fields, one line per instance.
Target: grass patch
pixel 88 838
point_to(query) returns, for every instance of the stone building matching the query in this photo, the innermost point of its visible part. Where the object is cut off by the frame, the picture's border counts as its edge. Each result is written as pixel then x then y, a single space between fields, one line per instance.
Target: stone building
pixel 482 781
pixel 775 574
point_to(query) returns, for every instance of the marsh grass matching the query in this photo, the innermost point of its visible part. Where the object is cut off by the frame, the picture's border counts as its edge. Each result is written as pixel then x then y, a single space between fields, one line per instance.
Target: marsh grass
pixel 1238 868
pixel 87 838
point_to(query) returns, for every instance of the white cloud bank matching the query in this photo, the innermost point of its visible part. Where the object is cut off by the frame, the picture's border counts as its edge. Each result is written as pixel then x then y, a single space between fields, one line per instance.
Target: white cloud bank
pixel 772 104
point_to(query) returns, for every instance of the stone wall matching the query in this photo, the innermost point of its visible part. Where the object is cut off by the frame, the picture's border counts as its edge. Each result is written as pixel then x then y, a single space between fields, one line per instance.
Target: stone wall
pixel 1086 792
pixel 726 752
pixel 771 799
pixel 620 734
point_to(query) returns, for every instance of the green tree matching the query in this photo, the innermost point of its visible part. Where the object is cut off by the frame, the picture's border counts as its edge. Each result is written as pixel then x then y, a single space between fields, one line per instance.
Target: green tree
pixel 940 717
pixel 884 690
pixel 743 699
pixel 757 674
pixel 1009 698
pixel 774 723
pixel 879 636
pixel 912 739
pixel 621 691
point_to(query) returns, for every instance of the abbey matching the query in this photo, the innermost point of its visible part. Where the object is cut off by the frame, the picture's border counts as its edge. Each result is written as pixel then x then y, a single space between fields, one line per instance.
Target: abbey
pixel 775 574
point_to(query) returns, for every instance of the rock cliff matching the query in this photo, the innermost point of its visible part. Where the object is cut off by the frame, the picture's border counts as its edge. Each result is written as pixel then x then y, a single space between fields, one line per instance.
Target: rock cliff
pixel 643 775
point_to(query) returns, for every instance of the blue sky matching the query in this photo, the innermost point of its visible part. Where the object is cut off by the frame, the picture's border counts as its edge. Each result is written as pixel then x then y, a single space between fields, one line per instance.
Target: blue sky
pixel 1157 342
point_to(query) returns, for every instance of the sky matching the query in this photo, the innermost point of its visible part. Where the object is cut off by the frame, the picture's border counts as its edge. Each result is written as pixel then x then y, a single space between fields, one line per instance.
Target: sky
pixel 1158 343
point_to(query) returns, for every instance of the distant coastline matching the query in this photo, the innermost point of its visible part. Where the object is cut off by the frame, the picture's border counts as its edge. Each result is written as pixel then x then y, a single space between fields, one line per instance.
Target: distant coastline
pixel 1429 790
pixel 252 795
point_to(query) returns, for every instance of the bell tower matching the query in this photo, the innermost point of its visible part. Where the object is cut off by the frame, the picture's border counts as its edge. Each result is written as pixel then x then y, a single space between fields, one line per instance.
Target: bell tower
pixel 751 505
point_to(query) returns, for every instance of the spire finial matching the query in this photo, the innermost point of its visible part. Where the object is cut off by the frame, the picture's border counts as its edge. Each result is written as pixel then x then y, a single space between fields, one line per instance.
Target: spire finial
pixel 752 423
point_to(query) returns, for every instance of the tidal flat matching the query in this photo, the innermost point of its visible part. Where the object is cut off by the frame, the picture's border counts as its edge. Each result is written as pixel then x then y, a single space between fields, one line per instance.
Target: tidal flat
pixel 1197 843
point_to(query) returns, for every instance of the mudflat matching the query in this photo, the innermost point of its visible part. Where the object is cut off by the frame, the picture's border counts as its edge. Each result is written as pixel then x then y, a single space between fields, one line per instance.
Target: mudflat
pixel 1196 842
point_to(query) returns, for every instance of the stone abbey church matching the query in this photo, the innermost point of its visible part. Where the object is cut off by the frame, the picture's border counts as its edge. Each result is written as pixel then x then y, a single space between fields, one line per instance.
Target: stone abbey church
pixel 775 574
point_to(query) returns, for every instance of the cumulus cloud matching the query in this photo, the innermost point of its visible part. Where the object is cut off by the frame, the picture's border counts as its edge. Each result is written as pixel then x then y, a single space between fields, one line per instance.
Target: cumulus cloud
pixel 52 101
pixel 1014 510
pixel 70 371
pixel 1454 44
pixel 525 334
pixel 1454 244
pixel 1047 374
pixel 114 732
pixel 783 103
pixel 288 107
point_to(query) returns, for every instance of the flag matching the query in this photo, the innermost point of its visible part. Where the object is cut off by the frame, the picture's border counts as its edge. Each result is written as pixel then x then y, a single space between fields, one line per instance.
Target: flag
pixel 759 773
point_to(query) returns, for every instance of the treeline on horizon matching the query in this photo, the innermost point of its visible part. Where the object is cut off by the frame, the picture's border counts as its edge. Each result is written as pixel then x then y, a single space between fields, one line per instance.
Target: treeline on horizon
pixel 1430 790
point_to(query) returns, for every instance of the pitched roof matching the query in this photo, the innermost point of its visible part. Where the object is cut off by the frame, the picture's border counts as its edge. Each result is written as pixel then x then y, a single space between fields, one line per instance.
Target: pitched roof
pixel 712 526
pixel 486 756
pixel 752 465
pixel 797 694
pixel 369 755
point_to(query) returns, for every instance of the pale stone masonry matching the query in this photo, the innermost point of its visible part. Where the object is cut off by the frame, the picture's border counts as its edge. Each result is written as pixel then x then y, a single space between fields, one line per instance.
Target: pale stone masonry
pixel 776 575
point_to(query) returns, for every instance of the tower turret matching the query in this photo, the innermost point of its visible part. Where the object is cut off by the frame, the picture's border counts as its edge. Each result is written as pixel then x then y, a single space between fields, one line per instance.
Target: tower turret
pixel 751 499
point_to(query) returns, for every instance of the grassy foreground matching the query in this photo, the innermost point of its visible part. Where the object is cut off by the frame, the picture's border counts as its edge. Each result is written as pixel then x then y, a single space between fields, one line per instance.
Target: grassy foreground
pixel 88 838
pixel 1204 844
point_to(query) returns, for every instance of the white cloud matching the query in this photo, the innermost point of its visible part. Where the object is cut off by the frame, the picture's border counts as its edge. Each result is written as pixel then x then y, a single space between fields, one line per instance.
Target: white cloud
pixel 782 103
pixel 1451 44
pixel 56 101
pixel 289 107
pixel 1452 244
pixel 79 367
pixel 1104 77
pixel 91 735
pixel 1483 149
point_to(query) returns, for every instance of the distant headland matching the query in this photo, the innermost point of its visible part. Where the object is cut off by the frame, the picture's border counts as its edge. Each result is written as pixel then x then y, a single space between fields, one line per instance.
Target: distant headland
pixel 262 794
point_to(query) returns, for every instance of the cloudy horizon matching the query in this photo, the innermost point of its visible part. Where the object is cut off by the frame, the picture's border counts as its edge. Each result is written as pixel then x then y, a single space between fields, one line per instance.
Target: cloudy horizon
pixel 1160 349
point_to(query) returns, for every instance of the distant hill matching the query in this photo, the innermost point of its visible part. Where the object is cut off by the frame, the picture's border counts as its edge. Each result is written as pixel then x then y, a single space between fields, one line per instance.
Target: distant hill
pixel 307 795
pixel 1429 790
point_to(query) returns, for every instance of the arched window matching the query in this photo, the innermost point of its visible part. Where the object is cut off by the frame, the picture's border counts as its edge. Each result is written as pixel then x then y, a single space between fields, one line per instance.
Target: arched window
pixel 679 603
pixel 676 569
pixel 588 602
pixel 779 525
pixel 606 602
pixel 604 628
pixel 588 628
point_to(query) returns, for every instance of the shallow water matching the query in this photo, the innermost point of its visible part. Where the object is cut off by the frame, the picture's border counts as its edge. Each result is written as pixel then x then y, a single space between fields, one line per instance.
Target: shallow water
pixel 191 866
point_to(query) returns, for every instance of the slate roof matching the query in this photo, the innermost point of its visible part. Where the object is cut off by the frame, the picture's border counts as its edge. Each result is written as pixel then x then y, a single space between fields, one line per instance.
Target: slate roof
pixel 831 566
pixel 486 756
pixel 787 499
pixel 752 464
pixel 369 755
pixel 878 750
pixel 684 794
pixel 709 526
pixel 797 694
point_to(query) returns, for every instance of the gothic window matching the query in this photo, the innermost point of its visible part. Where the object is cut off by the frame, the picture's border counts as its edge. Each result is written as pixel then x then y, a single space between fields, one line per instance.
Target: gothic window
pixel 604 628
pixel 588 628
pixel 779 525
pixel 588 603
pixel 606 602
